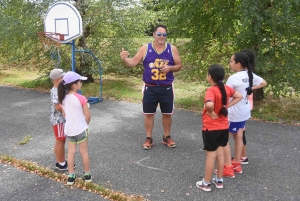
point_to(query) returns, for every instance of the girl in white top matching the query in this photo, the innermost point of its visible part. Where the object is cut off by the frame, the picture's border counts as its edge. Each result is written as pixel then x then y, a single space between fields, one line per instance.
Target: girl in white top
pixel 244 82
pixel 77 114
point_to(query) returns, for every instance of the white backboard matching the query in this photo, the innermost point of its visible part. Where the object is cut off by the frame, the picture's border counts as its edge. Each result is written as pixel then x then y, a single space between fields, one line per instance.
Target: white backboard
pixel 63 18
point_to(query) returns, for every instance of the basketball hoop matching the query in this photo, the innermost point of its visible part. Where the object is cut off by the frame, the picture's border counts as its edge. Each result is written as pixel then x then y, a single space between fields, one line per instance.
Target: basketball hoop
pixel 51 43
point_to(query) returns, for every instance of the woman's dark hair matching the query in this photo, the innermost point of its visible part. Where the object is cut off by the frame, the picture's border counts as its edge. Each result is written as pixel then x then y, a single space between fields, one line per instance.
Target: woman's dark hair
pixel 217 73
pixel 245 60
pixel 62 90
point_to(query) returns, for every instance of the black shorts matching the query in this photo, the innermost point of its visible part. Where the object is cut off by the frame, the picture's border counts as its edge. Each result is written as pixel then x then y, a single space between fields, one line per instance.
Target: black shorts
pixel 164 95
pixel 213 139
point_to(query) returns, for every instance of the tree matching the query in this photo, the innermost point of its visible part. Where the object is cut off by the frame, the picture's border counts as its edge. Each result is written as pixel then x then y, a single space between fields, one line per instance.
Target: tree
pixel 219 28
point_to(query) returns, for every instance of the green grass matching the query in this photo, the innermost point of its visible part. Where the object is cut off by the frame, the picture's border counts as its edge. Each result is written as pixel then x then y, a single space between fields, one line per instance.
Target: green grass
pixel 188 95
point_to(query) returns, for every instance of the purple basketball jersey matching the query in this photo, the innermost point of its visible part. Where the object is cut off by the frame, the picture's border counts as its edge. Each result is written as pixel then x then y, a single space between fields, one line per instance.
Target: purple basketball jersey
pixel 153 62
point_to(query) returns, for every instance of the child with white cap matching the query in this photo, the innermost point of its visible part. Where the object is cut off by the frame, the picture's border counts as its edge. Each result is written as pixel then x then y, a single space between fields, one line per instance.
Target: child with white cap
pixel 57 120
pixel 77 114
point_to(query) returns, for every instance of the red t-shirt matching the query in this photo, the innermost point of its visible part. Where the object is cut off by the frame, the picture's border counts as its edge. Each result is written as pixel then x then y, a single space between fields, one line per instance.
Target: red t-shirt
pixel 214 95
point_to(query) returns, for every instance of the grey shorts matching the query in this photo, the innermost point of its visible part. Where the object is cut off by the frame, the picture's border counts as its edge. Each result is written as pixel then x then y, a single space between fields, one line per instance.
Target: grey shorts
pixel 79 138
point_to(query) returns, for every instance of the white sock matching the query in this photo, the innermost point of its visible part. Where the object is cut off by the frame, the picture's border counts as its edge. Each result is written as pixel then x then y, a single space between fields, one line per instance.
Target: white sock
pixel 63 163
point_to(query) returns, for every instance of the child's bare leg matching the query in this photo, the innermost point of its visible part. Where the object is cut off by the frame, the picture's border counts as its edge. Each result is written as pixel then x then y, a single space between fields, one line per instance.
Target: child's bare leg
pixel 227 152
pixel 59 150
pixel 83 148
pixel 71 156
pixel 244 151
pixel 238 141
pixel 220 164
pixel 209 165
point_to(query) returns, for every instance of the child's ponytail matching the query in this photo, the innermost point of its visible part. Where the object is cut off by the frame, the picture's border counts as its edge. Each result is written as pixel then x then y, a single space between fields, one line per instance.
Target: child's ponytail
pixel 223 110
pixel 217 73
pixel 61 92
pixel 251 67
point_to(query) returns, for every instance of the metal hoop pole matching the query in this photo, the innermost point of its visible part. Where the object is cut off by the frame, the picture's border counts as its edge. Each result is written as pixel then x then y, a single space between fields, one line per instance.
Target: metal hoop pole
pixel 73 55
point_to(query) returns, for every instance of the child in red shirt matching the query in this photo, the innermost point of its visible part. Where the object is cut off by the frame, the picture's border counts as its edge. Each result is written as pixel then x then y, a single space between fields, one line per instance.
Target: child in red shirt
pixel 215 125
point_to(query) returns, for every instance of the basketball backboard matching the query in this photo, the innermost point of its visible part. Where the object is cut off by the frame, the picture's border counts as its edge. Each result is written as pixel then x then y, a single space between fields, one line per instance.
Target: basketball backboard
pixel 63 18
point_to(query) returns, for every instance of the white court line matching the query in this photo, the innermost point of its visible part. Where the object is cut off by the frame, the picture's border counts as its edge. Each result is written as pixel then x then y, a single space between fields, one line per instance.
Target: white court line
pixel 149 167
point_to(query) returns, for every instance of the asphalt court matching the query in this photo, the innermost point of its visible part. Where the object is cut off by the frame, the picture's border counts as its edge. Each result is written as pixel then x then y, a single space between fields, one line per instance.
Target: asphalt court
pixel 119 162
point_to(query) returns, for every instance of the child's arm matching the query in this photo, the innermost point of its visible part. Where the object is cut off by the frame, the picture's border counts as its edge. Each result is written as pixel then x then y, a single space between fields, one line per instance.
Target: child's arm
pixel 58 107
pixel 262 84
pixel 209 106
pixel 236 97
pixel 86 113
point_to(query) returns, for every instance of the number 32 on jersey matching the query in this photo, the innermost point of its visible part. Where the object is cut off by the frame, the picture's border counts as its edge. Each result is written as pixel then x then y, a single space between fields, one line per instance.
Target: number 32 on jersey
pixel 158 64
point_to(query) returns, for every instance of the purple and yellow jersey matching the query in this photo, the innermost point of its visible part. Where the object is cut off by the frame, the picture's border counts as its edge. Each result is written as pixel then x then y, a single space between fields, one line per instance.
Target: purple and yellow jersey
pixel 153 61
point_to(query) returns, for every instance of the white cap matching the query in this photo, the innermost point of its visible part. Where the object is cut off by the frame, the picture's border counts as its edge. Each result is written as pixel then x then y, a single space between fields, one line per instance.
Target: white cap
pixel 72 76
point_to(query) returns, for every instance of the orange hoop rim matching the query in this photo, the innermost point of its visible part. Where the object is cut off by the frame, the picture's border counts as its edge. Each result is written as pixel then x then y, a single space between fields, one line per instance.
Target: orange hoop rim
pixel 50 38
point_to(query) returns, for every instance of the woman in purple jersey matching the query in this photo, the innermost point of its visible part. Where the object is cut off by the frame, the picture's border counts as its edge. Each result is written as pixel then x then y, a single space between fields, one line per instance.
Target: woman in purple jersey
pixel 160 60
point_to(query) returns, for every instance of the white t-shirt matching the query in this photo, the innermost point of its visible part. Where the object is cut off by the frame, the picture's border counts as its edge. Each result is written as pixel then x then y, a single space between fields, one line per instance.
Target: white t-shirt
pixel 75 119
pixel 240 82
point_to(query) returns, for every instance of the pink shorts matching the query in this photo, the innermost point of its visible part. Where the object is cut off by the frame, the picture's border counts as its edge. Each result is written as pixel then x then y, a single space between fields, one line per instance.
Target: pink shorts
pixel 59 131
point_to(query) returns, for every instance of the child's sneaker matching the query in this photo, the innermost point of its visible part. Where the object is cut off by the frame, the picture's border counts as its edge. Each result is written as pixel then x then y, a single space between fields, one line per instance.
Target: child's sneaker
pixel 62 167
pixel 168 141
pixel 237 167
pixel 202 186
pixel 244 160
pixel 218 184
pixel 148 143
pixel 87 177
pixel 71 179
pixel 228 171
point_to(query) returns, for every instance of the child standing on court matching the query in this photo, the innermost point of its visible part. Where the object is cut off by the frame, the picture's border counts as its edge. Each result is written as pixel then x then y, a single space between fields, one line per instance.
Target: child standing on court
pixel 244 81
pixel 77 114
pixel 215 125
pixel 57 120
pixel 244 159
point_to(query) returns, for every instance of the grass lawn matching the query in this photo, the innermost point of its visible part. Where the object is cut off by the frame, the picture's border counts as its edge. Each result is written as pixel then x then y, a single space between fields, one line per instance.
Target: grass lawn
pixel 188 96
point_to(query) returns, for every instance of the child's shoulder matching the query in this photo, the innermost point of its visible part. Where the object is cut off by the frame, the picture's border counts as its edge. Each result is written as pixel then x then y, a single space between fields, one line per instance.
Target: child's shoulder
pixel 53 89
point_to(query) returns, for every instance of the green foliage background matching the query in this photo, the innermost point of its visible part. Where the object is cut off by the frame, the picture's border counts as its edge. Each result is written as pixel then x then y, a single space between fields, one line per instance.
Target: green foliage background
pixel 205 32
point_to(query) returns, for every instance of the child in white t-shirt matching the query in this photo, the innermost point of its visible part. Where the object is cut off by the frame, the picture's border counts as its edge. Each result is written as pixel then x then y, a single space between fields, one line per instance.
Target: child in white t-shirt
pixel 77 114
pixel 244 82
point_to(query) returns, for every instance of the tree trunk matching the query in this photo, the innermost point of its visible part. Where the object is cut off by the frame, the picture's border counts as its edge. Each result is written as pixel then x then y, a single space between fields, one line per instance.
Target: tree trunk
pixel 84 62
pixel 258 94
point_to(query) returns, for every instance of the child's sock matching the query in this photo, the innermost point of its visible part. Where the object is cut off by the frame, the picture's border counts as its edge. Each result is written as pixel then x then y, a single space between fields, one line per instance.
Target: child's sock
pixel 87 173
pixel 219 179
pixel 205 183
pixel 63 163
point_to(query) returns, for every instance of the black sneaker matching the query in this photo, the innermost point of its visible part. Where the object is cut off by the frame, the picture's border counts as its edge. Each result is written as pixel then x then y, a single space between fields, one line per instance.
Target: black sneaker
pixel 62 167
pixel 244 161
pixel 71 179
pixel 87 177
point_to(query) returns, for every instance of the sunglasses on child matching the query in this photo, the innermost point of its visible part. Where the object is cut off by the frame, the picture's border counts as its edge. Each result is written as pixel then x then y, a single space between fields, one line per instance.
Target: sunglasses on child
pixel 162 34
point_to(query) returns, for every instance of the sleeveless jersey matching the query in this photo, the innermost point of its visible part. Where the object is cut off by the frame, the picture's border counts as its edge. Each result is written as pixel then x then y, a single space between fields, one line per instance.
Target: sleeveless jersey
pixel 153 62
